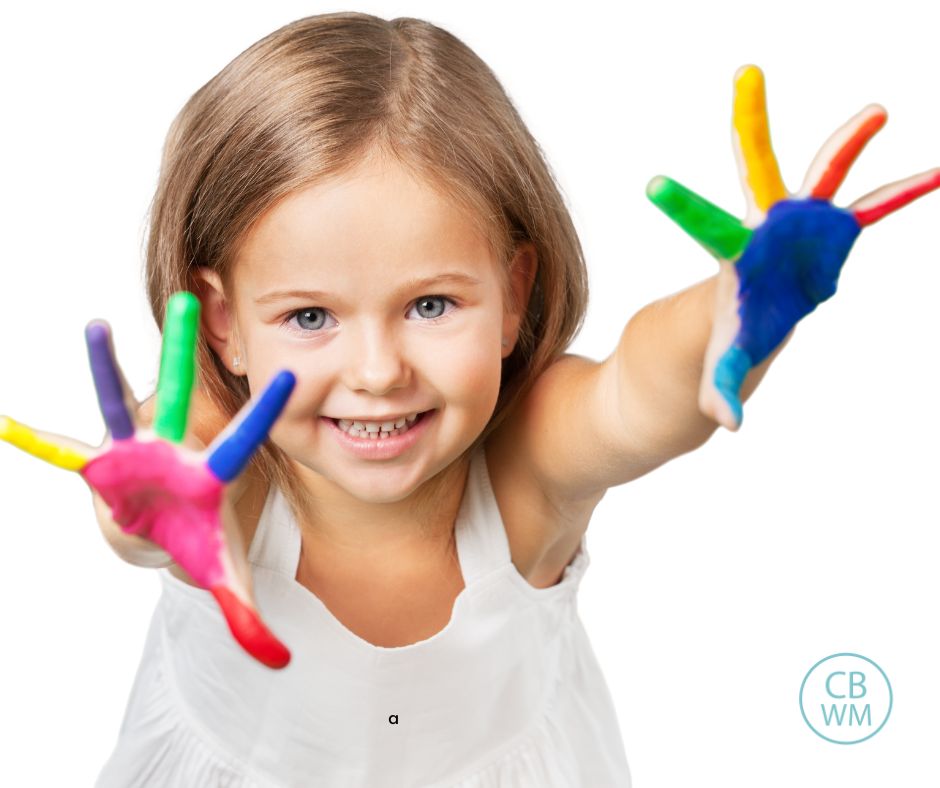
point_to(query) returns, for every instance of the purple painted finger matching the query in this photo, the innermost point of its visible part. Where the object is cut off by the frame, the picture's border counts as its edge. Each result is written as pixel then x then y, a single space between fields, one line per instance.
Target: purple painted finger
pixel 107 381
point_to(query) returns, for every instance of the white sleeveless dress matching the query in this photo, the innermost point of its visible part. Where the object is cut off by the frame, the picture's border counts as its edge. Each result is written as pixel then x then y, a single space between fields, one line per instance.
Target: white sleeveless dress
pixel 509 693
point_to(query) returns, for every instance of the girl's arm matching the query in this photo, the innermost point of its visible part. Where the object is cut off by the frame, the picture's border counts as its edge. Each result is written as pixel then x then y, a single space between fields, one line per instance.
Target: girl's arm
pixel 685 363
pixel 653 380
pixel 587 426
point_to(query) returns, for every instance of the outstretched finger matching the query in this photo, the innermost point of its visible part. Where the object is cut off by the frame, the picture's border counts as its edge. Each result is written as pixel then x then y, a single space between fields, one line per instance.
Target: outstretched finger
pixel 879 203
pixel 62 452
pixel 177 366
pixel 235 596
pixel 231 450
pixel 757 164
pixel 108 382
pixel 723 236
pixel 840 151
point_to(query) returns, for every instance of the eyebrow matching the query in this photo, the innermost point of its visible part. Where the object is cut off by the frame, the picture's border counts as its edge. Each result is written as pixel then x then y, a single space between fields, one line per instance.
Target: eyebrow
pixel 450 277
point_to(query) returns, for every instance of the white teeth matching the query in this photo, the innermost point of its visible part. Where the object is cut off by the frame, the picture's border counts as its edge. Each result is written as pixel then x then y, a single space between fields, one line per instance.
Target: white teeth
pixel 374 429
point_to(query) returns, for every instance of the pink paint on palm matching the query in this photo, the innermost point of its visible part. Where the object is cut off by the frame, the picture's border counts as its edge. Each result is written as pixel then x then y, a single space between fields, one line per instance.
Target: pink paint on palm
pixel 154 493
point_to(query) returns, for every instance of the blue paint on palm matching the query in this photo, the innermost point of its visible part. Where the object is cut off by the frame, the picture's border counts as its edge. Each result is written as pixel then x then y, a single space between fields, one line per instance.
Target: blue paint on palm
pixel 790 265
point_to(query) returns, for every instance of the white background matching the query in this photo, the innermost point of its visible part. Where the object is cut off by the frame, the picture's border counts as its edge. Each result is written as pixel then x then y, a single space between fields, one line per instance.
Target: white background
pixel 717 581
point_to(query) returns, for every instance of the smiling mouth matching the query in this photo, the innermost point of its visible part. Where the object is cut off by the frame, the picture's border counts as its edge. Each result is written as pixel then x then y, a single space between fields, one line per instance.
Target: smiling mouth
pixel 374 431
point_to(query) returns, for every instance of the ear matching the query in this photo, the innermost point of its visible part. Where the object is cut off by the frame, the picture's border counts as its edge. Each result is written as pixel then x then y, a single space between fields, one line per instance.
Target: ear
pixel 522 271
pixel 218 321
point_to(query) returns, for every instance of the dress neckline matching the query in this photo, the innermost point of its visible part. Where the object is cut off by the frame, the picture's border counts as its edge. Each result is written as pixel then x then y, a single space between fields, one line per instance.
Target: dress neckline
pixel 480 538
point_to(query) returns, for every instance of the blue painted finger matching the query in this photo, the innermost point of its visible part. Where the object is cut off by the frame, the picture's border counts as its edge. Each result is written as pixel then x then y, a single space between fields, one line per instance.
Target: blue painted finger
pixel 730 372
pixel 107 381
pixel 230 452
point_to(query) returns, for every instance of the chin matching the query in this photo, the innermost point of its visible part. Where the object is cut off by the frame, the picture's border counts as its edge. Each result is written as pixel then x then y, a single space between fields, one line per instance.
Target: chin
pixel 383 493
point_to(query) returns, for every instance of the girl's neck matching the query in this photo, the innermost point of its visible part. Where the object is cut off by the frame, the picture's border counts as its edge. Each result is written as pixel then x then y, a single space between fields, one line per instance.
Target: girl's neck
pixel 341 524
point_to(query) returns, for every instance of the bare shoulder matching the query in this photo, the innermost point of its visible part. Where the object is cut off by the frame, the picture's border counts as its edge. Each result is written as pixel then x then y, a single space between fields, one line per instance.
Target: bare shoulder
pixel 528 457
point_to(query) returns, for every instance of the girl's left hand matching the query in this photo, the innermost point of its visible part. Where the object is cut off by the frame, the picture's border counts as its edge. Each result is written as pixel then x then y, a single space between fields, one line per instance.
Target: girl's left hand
pixel 785 257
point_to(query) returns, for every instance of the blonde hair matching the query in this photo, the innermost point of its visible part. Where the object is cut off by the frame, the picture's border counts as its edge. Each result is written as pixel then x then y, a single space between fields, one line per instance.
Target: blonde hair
pixel 310 100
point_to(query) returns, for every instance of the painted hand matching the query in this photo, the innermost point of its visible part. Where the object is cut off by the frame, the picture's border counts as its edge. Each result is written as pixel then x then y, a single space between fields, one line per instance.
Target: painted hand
pixel 785 257
pixel 163 491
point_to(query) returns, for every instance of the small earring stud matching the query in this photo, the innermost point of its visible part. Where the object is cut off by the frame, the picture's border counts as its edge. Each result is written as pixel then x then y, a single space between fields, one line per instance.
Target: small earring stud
pixel 235 361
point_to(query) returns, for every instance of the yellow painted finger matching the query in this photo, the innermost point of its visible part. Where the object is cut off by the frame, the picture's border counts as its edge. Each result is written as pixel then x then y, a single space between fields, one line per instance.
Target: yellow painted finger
pixel 760 173
pixel 33 443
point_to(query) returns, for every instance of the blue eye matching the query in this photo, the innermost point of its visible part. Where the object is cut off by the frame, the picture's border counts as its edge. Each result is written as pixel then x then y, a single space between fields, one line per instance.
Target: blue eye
pixel 312 319
pixel 309 318
pixel 422 303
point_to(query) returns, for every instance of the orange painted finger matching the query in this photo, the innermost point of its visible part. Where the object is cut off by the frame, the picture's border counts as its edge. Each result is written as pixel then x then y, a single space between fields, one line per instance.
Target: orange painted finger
pixel 840 151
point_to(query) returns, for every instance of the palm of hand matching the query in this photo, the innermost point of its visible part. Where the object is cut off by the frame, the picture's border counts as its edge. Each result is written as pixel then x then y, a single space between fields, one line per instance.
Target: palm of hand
pixel 791 264
pixel 162 491
pixel 785 258
pixel 157 493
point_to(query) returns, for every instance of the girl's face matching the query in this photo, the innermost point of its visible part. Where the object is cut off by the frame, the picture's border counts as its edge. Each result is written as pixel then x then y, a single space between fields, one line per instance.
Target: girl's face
pixel 384 300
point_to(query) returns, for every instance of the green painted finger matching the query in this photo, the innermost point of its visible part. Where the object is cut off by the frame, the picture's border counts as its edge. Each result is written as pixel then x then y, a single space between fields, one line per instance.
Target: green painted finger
pixel 720 233
pixel 177 366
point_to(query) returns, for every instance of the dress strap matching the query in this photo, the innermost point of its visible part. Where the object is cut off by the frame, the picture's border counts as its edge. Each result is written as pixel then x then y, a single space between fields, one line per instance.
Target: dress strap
pixel 276 543
pixel 482 545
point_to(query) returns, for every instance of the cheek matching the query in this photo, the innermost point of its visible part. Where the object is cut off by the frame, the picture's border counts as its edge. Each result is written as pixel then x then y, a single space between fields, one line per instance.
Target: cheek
pixel 297 428
pixel 268 354
pixel 468 373
pixel 307 398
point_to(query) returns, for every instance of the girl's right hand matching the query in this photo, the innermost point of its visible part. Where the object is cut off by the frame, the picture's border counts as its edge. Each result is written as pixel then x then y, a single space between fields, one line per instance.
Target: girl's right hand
pixel 169 496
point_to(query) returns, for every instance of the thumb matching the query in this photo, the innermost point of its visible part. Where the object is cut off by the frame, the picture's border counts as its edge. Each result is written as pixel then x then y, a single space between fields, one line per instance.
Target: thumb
pixel 67 453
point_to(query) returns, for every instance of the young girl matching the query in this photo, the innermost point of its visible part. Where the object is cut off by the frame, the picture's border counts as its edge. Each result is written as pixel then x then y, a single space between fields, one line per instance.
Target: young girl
pixel 357 201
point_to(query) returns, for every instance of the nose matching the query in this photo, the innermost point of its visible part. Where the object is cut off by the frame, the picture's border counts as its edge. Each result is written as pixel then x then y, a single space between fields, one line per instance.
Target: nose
pixel 375 362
